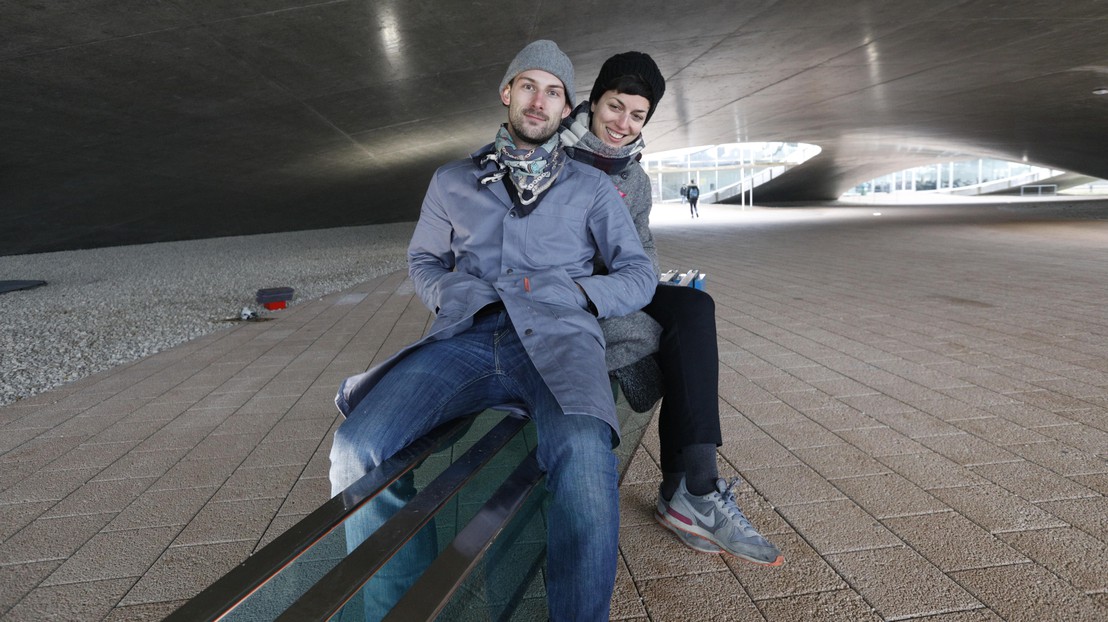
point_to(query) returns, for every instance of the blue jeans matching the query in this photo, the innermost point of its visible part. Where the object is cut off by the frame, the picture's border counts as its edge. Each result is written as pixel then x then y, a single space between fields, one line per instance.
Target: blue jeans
pixel 483 367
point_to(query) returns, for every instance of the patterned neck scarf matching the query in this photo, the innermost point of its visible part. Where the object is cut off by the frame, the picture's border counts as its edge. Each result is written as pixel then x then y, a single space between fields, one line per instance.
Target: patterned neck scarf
pixel 532 171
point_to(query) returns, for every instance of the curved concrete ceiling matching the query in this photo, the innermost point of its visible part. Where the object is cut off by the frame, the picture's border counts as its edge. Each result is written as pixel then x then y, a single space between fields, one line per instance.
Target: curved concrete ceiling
pixel 149 120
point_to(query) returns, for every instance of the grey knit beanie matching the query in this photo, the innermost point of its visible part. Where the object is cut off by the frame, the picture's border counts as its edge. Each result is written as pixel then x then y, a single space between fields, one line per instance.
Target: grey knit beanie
pixel 545 55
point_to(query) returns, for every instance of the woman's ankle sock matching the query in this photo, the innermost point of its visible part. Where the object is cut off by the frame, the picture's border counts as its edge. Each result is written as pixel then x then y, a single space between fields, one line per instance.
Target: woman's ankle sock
pixel 701 472
pixel 670 482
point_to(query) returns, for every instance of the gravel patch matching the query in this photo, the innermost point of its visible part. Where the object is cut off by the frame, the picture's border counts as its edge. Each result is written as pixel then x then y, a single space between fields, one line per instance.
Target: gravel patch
pixel 109 306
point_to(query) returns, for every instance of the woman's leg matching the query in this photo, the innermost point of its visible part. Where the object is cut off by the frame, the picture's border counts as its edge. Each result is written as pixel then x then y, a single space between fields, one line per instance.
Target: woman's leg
pixel 689 359
pixel 700 506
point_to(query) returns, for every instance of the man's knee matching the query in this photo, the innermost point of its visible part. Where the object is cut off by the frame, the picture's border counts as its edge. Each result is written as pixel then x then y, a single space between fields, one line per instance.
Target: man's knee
pixel 355 451
pixel 580 451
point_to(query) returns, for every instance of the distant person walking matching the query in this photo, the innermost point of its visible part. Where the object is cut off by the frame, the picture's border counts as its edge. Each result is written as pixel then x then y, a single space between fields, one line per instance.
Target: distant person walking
pixel 692 193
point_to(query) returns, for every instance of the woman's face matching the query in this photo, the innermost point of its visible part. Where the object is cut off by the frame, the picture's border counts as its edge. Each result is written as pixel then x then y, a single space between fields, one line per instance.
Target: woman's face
pixel 617 118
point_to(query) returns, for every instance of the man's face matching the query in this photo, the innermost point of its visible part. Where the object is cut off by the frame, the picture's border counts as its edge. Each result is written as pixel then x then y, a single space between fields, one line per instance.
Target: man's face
pixel 537 103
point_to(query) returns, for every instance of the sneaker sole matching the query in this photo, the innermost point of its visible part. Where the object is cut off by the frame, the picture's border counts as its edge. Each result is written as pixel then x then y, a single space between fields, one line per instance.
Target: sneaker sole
pixel 672 523
pixel 715 550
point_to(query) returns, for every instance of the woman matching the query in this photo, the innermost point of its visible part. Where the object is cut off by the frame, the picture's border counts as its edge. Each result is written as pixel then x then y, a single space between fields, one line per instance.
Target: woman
pixel 693 501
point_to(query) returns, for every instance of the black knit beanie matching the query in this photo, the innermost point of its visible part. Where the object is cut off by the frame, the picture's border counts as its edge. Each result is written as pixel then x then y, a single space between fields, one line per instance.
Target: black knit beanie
pixel 635 64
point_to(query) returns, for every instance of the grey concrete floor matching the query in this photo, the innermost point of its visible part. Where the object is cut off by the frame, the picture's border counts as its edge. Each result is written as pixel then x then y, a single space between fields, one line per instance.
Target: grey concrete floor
pixel 917 403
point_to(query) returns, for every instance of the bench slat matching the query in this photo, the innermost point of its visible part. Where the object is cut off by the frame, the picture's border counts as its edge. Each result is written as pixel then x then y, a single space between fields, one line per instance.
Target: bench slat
pixel 328 595
pixel 430 594
pixel 232 588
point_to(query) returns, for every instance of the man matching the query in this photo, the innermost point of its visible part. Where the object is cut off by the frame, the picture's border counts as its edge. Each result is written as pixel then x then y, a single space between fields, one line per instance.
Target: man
pixel 692 191
pixel 502 253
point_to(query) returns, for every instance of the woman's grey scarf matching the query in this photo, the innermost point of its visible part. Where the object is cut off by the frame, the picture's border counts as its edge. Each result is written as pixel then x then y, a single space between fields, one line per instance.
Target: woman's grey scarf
pixel 587 148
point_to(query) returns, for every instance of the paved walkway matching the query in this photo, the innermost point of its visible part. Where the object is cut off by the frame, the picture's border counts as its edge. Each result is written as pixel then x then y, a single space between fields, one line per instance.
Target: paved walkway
pixel 917 403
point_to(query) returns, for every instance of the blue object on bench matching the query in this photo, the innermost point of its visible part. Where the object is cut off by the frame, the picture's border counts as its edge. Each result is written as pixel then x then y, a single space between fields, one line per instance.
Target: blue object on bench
pixel 690 278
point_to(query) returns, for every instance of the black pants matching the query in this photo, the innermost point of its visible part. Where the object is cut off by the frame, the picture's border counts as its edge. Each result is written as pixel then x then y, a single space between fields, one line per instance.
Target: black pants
pixel 692 207
pixel 689 358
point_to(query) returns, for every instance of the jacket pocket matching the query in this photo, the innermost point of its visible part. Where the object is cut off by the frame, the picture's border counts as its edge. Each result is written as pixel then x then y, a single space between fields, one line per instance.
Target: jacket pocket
pixel 556 290
pixel 556 237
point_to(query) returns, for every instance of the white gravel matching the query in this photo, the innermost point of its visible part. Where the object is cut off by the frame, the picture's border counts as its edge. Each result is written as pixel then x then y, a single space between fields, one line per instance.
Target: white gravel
pixel 104 307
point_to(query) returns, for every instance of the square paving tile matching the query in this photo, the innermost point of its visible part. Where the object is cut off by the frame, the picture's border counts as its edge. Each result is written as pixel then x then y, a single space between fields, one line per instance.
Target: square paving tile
pixel 1061 458
pixel 792 485
pixel 802 433
pixel 763 453
pixel 916 424
pixel 1028 592
pixel 16 516
pixel 1089 515
pixel 838 526
pixel 182 571
pixel 968 450
pixel 1070 553
pixel 90 600
pixel 162 508
pixel 996 509
pixel 1033 482
pixel 228 521
pixel 114 555
pixel 841 417
pixel 930 470
pixel 900 583
pixel 836 606
pixel 51 538
pixel 705 596
pixel 999 431
pixel 883 441
pixel 17 580
pixel 99 497
pixel 141 613
pixel 842 460
pixel 953 542
pixel 888 494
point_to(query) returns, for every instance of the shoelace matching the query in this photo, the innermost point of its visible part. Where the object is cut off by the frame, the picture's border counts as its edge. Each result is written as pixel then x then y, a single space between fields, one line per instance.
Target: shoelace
pixel 731 507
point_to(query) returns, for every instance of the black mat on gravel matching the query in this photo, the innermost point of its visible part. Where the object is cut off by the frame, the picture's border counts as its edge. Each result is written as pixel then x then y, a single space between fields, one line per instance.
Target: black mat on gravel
pixel 11 286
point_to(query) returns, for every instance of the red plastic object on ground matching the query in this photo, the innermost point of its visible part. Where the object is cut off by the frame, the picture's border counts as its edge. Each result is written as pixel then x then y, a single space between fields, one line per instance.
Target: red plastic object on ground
pixel 274 298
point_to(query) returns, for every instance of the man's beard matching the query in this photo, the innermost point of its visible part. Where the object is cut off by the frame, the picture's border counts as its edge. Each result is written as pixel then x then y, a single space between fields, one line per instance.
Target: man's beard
pixel 534 136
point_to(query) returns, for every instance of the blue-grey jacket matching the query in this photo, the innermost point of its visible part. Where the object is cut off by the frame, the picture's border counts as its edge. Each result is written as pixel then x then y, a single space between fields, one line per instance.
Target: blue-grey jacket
pixel 469 249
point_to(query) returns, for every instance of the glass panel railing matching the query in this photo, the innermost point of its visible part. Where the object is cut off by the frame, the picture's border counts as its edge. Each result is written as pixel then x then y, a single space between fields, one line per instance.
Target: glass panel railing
pixel 411 523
